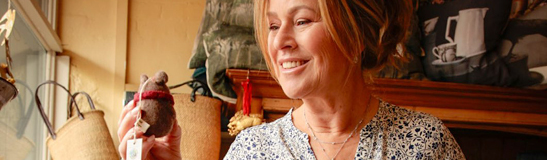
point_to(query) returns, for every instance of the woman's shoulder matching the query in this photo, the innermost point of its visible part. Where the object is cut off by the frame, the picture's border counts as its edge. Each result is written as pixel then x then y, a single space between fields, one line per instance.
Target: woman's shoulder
pixel 267 130
pixel 263 131
pixel 282 128
pixel 393 113
pixel 407 125
pixel 263 141
pixel 423 134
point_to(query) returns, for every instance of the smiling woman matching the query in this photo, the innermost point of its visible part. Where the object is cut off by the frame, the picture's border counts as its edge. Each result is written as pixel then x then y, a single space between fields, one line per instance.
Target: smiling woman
pixel 322 52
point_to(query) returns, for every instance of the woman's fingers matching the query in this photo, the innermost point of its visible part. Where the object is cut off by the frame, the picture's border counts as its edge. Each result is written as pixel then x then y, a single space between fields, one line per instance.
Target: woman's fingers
pixel 122 148
pixel 174 135
pixel 125 110
pixel 127 122
pixel 147 144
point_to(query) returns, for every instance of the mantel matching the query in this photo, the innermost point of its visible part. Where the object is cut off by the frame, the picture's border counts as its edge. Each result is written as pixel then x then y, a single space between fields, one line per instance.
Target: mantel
pixel 458 105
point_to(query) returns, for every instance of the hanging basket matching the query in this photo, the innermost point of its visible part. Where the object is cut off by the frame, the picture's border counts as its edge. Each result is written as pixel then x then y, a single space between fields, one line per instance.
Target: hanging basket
pixel 82 137
pixel 7 89
pixel 7 92
pixel 199 119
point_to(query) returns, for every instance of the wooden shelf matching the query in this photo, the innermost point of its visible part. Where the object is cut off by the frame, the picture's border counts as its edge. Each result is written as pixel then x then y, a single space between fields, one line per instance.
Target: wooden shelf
pixel 458 105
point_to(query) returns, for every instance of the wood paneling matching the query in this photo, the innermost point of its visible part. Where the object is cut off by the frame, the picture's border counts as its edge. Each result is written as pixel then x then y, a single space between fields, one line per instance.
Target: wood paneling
pixel 493 145
pixel 458 105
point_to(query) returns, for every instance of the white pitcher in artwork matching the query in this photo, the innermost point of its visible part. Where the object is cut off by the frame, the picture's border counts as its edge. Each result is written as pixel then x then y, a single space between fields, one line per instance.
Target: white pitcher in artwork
pixel 469 34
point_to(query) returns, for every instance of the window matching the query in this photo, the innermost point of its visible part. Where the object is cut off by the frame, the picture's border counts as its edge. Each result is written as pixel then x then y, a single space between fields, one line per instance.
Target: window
pixel 32 49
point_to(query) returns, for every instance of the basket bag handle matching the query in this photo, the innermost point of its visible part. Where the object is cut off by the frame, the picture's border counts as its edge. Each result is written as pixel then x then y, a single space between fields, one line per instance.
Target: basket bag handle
pixel 44 116
pixel 89 100
pixel 191 83
pixel 22 124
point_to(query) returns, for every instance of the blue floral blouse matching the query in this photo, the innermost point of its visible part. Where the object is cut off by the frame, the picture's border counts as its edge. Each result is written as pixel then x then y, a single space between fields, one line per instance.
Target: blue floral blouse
pixel 393 133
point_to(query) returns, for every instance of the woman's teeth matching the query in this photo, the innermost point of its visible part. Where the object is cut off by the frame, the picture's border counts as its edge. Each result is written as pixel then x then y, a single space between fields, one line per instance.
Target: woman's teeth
pixel 293 64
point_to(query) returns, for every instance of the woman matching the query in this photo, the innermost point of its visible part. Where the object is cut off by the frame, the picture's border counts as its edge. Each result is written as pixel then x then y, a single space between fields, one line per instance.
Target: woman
pixel 322 52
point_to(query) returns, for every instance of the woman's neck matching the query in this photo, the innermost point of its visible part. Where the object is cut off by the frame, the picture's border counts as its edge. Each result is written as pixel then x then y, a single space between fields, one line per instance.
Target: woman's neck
pixel 338 110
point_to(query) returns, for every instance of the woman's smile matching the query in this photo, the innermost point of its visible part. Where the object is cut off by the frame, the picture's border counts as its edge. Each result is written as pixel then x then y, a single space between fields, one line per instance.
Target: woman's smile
pixel 292 65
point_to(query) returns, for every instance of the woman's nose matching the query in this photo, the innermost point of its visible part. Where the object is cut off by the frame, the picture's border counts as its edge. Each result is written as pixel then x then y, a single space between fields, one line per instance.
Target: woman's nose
pixel 284 38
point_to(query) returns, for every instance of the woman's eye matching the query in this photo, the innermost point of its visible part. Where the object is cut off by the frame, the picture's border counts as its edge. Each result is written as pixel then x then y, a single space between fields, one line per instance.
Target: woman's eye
pixel 302 22
pixel 272 28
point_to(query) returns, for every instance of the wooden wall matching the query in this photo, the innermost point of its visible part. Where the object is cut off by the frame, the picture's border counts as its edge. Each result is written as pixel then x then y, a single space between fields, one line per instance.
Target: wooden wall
pixel 492 145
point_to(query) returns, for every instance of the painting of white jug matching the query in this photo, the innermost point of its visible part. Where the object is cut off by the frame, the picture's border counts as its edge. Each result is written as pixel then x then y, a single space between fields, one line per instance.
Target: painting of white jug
pixel 469 34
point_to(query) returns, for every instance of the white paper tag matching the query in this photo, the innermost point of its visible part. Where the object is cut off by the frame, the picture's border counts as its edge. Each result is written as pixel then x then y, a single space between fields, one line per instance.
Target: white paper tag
pixel 134 149
pixel 142 125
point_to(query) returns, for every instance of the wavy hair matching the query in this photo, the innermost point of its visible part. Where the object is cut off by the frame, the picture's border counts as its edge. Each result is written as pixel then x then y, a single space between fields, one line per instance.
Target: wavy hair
pixel 375 30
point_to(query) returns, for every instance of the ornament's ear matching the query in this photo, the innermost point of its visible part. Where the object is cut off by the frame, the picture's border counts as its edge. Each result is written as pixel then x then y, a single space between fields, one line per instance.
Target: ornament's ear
pixel 143 78
pixel 161 77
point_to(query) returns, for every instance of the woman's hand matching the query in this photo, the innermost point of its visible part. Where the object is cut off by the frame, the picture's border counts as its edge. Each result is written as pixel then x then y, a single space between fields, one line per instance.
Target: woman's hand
pixel 167 147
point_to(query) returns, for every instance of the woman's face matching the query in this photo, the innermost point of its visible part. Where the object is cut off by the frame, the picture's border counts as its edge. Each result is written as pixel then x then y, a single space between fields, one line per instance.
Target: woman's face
pixel 305 59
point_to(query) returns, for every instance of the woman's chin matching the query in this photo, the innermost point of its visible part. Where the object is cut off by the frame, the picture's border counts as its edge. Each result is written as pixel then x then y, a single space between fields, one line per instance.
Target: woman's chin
pixel 295 93
pixel 291 96
pixel 296 88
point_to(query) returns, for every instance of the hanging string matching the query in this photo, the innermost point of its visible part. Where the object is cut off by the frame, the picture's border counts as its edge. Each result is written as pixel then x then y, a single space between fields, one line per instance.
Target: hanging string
pixel 138 121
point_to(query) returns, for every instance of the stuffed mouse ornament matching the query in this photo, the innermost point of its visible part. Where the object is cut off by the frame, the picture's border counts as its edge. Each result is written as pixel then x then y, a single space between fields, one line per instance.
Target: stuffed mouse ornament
pixel 156 104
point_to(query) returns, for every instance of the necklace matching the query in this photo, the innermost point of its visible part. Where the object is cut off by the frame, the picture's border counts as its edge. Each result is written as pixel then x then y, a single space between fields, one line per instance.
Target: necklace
pixel 317 139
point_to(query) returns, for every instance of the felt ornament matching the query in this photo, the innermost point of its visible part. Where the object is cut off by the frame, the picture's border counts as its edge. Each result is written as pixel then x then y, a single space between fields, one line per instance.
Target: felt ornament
pixel 156 104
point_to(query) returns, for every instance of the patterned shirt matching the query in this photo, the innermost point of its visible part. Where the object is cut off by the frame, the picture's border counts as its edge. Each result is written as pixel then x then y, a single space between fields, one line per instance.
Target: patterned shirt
pixel 393 133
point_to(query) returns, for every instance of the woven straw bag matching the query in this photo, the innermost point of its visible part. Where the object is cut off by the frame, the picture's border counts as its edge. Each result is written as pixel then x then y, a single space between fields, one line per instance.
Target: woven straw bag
pixel 16 146
pixel 82 137
pixel 7 89
pixel 199 119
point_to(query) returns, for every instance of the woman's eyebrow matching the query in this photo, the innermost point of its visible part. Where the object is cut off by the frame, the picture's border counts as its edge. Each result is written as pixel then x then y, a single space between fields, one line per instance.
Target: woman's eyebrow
pixel 293 9
pixel 300 7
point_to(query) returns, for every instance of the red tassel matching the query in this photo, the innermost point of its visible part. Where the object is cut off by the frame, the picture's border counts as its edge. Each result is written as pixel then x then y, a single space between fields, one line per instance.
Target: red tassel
pixel 247 94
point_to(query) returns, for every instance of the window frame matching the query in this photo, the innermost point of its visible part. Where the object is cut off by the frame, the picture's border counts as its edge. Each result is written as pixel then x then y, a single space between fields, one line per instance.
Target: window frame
pixel 42 25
